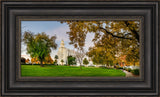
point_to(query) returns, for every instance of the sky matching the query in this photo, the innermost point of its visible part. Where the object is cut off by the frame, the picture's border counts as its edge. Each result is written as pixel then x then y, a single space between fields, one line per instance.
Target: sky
pixel 51 28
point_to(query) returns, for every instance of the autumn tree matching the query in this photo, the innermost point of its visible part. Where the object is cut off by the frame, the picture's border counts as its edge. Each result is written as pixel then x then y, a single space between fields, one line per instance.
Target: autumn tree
pixel 35 60
pixel 100 56
pixel 48 59
pixel 132 55
pixel 27 61
pixel 85 61
pixel 39 45
pixel 117 37
pixel 77 38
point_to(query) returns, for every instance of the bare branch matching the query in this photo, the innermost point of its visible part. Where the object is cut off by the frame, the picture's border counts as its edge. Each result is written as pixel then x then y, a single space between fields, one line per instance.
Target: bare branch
pixel 135 33
pixel 115 35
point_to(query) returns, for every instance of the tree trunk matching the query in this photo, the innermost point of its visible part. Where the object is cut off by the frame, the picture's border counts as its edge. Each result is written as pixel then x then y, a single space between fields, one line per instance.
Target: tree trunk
pixel 80 67
pixel 56 62
pixel 41 63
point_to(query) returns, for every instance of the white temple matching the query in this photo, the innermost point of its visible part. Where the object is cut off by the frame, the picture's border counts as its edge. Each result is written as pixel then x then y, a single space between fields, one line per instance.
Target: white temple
pixel 63 53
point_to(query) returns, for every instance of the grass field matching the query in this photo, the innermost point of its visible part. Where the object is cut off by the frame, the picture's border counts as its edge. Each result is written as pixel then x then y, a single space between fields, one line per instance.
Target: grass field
pixel 68 71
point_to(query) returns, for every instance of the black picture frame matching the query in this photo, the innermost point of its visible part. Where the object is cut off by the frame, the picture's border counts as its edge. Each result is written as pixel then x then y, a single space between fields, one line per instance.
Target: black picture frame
pixel 14 11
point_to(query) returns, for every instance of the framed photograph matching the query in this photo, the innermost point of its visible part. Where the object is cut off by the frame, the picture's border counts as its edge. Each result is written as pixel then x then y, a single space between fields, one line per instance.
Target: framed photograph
pixel 79 48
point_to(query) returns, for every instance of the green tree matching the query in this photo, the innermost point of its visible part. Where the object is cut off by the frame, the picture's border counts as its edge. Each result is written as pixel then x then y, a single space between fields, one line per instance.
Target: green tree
pixel 71 60
pixel 62 61
pixel 85 61
pixel 39 45
pixel 56 57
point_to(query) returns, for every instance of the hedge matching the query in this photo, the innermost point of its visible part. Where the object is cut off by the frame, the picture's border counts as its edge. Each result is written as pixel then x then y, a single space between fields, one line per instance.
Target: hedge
pixel 135 71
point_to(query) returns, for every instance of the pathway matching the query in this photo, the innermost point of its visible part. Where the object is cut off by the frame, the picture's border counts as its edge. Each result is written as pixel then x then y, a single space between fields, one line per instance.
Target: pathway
pixel 128 74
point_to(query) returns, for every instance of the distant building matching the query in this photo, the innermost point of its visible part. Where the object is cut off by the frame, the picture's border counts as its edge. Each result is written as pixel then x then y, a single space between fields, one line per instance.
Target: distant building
pixel 63 53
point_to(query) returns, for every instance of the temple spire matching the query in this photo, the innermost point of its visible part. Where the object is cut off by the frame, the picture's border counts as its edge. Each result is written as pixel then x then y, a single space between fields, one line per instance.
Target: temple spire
pixel 62 43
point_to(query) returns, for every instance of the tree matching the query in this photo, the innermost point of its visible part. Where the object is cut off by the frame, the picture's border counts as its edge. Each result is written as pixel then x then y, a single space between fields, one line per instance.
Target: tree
pixel 77 38
pixel 85 61
pixel 56 57
pixel 132 55
pixel 27 61
pixel 48 60
pixel 62 61
pixel 23 60
pixel 71 60
pixel 39 45
pixel 79 56
pixel 100 56
pixel 35 61
pixel 117 37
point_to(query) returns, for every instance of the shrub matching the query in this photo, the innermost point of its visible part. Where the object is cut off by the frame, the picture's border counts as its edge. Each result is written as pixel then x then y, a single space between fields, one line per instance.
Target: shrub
pixel 135 71
pixel 129 69
pixel 117 67
pixel 120 67
pixel 124 68
pixel 26 64
pixel 102 66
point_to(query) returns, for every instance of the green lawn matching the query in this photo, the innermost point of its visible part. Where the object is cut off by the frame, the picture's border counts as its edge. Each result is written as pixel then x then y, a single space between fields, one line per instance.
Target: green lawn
pixel 69 71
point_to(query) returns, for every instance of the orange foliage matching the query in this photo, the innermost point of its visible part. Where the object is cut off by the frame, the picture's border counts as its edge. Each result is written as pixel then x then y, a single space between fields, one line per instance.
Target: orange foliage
pixel 48 60
pixel 27 61
pixel 35 61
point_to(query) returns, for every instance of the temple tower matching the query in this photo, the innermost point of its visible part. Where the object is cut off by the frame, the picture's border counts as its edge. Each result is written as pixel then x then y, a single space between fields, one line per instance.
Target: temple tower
pixel 62 53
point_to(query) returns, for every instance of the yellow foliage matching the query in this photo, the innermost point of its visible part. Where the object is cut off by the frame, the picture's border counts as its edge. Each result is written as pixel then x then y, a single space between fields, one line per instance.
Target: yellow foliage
pixel 112 39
